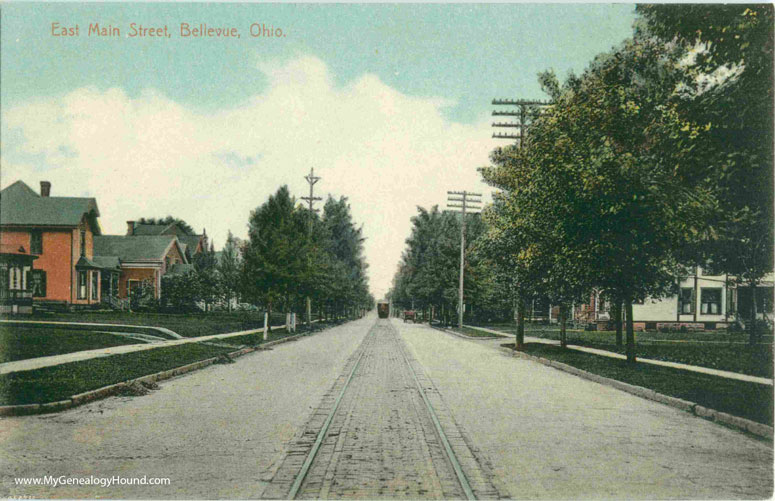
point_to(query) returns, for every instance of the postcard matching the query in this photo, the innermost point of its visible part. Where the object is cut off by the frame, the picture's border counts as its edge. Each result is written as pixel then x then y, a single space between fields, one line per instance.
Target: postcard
pixel 355 250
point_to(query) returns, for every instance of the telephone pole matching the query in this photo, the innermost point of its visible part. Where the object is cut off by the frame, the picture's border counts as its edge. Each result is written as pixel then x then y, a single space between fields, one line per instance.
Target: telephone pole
pixel 312 179
pixel 463 201
pixel 523 105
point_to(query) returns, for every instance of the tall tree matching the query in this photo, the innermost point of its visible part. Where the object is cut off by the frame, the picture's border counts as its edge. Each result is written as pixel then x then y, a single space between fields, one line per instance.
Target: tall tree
pixel 229 269
pixel 167 221
pixel 275 254
pixel 726 58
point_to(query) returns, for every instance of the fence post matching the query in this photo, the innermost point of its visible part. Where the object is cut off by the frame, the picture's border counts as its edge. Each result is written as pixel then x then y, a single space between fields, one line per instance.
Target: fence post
pixel 287 322
pixel 266 325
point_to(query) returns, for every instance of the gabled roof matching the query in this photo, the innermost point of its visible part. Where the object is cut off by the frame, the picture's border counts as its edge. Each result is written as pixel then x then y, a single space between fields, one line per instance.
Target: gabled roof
pixel 191 242
pixel 20 205
pixel 134 248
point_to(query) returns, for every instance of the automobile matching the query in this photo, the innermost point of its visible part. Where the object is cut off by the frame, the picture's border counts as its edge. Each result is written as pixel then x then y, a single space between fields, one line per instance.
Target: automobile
pixel 410 315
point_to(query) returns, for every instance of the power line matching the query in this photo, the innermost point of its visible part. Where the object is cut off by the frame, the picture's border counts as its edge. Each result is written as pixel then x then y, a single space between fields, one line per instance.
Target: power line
pixel 462 202
pixel 523 106
pixel 312 179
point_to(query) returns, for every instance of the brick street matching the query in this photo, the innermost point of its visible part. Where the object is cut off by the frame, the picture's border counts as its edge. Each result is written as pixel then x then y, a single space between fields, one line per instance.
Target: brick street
pixel 518 430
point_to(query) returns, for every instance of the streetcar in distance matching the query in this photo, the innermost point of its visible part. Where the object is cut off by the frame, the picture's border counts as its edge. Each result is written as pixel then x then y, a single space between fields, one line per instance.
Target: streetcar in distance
pixel 383 309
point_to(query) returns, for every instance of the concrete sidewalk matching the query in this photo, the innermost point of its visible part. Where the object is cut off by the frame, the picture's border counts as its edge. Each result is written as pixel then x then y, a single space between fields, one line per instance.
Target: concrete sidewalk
pixel 40 362
pixel 610 354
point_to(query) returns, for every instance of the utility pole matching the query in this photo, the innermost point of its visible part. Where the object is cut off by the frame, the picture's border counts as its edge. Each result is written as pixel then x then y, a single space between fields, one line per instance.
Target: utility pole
pixel 311 199
pixel 523 106
pixel 463 201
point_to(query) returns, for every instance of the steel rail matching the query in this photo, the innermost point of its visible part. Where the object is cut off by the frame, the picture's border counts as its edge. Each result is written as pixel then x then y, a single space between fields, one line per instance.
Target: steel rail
pixel 461 476
pixel 322 433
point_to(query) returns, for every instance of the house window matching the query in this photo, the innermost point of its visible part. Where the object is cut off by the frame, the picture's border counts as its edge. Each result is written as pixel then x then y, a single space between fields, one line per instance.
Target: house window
pixel 710 301
pixel 15 278
pixel 38 283
pixel 82 285
pixel 95 281
pixel 36 242
pixel 686 301
pixel 83 242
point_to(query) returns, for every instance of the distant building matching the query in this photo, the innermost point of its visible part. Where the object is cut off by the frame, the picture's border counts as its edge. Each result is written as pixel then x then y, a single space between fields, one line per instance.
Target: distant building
pixel 703 302
pixel 192 244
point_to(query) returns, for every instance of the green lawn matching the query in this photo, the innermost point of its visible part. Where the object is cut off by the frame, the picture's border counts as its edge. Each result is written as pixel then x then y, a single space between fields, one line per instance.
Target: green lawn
pixel 713 349
pixel 472 332
pixel 187 325
pixel 63 381
pixel 749 400
pixel 19 343
pixel 60 382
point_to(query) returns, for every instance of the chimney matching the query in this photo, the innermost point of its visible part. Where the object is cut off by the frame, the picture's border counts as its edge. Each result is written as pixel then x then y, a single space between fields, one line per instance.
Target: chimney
pixel 130 227
pixel 45 188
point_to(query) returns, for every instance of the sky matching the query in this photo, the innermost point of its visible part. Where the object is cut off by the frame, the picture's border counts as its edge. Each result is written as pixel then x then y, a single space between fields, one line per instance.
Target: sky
pixel 391 104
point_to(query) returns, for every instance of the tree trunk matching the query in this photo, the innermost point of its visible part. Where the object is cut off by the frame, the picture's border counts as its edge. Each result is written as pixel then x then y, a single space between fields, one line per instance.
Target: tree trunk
pixel 618 321
pixel 269 317
pixel 520 341
pixel 563 337
pixel 630 333
pixel 752 330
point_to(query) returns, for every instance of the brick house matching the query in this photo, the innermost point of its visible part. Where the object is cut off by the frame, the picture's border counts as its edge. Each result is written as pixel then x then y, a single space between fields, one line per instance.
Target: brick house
pixel 60 232
pixel 142 260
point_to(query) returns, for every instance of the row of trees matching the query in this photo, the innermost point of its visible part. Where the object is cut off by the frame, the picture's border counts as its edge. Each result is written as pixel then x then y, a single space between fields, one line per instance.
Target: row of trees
pixel 290 255
pixel 658 158
pixel 427 276
pixel 293 254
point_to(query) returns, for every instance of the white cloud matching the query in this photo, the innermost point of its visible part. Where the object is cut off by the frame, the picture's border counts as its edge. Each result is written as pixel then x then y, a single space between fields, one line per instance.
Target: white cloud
pixel 150 156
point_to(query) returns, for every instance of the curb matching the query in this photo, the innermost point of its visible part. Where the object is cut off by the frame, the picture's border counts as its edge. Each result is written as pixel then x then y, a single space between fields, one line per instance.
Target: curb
pixel 735 422
pixel 113 389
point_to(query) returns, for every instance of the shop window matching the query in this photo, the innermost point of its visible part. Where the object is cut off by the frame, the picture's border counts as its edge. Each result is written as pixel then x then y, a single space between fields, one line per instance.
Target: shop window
pixel 710 301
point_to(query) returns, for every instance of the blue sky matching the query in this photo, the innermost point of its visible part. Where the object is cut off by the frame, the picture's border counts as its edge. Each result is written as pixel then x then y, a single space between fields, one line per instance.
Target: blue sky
pixel 466 53
pixel 389 103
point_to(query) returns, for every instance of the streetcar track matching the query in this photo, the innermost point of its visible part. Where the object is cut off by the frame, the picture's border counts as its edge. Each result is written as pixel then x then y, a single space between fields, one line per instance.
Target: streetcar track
pixel 460 475
pixel 322 434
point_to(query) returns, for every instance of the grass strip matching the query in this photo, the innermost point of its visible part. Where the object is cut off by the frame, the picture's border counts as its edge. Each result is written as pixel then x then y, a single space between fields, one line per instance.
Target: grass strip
pixel 748 400
pixel 692 348
pixel 21 343
pixel 60 382
pixel 187 325
pixel 471 332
